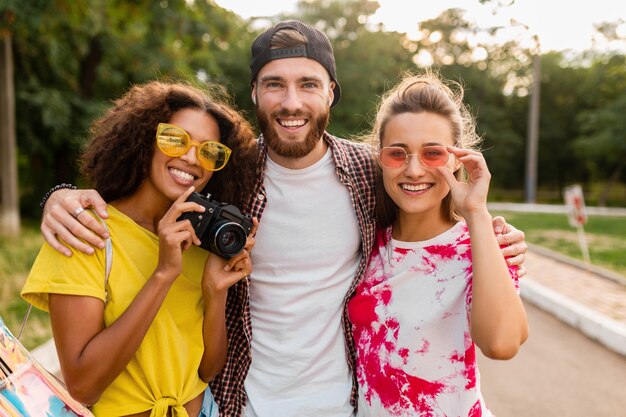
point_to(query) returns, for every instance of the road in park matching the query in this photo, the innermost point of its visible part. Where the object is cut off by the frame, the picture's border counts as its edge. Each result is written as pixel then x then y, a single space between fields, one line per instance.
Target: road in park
pixel 559 372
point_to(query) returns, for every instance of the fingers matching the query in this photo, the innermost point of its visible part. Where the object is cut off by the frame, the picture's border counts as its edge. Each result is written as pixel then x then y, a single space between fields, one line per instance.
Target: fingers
pixel 50 236
pixel 80 231
pixel 517 260
pixel 255 226
pixel 243 266
pixel 499 225
pixel 466 156
pixel 185 194
pixel 512 240
pixel 72 201
pixel 238 271
pixel 58 224
pixel 515 255
pixel 232 262
pixel 72 238
pixel 91 198
pixel 63 212
pixel 174 239
pixel 179 235
pixel 516 251
pixel 474 162
pixel 448 176
pixel 220 274
pixel 513 243
pixel 180 206
pixel 182 225
pixel 251 239
pixel 511 236
pixel 89 228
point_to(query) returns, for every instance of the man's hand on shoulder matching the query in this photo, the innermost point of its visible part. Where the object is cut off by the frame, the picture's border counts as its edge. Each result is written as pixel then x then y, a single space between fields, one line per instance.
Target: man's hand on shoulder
pixel 513 244
pixel 64 218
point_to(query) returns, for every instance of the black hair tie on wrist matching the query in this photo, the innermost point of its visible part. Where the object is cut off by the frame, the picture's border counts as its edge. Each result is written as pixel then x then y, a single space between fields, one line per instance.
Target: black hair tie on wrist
pixel 53 189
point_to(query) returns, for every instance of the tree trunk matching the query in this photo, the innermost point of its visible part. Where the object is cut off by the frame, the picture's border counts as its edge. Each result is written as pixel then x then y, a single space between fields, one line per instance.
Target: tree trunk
pixel 9 199
pixel 533 131
pixel 88 67
pixel 607 188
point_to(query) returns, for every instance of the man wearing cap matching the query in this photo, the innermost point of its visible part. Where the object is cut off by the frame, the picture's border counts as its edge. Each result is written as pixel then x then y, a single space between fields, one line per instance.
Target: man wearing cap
pixel 315 204
pixel 291 351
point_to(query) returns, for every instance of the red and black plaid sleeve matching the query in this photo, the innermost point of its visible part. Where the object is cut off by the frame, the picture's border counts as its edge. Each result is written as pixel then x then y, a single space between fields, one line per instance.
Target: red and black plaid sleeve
pixel 356 169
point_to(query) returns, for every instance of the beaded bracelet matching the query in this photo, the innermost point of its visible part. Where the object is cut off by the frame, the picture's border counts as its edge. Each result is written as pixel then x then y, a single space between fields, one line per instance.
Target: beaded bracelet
pixel 53 189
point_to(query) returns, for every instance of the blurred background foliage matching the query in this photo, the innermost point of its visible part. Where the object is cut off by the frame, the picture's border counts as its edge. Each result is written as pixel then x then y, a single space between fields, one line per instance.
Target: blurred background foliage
pixel 73 57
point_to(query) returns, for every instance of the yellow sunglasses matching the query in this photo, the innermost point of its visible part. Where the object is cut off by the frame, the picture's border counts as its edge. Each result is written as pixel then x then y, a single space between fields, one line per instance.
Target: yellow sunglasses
pixel 175 141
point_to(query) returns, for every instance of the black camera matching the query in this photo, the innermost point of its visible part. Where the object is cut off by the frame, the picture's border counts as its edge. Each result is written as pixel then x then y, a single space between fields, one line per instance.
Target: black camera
pixel 222 229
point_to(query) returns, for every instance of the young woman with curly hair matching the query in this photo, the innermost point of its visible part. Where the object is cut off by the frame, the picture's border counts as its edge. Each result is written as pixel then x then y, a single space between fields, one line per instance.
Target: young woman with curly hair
pixel 148 342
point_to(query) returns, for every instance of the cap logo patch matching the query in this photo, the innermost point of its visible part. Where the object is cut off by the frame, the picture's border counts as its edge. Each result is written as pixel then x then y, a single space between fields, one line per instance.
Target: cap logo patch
pixel 279 53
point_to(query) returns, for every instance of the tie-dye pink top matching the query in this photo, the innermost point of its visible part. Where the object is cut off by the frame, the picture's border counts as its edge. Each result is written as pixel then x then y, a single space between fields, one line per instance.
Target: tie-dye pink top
pixel 410 316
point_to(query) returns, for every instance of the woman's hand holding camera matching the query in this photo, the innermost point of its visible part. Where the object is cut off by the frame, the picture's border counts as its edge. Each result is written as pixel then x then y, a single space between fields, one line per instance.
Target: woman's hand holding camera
pixel 220 274
pixel 176 237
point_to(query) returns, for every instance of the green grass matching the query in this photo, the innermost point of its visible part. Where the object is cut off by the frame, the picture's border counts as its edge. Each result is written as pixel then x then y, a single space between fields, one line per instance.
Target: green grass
pixel 593 192
pixel 606 236
pixel 17 254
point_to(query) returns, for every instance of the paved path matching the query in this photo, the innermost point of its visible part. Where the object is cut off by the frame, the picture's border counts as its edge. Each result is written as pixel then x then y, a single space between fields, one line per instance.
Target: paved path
pixel 590 299
pixel 574 362
pixel 559 372
pixel 604 295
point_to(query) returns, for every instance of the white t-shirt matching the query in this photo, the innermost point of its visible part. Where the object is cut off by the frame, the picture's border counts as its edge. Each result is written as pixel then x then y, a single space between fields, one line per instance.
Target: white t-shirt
pixel 410 315
pixel 306 255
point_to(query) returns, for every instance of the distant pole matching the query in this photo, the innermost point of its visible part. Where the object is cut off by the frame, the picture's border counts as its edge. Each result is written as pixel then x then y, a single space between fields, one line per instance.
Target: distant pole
pixel 9 199
pixel 533 130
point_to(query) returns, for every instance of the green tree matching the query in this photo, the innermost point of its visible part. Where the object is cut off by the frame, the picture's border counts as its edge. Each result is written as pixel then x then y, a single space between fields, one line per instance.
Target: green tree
pixel 561 100
pixel 72 57
pixel 601 142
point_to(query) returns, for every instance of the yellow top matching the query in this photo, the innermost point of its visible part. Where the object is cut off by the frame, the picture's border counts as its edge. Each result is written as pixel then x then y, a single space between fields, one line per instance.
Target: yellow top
pixel 164 371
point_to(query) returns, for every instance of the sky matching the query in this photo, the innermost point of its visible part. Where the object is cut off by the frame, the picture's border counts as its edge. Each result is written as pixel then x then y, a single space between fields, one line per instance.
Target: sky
pixel 559 24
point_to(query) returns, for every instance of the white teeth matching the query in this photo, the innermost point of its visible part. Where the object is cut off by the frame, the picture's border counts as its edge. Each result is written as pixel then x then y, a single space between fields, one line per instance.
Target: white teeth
pixel 418 187
pixel 181 174
pixel 292 123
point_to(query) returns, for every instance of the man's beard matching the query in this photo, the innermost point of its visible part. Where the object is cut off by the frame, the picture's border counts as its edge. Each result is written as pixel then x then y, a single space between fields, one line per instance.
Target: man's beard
pixel 286 148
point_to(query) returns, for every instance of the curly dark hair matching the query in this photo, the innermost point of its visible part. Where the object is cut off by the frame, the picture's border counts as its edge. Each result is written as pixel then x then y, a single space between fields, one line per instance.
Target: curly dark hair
pixel 117 158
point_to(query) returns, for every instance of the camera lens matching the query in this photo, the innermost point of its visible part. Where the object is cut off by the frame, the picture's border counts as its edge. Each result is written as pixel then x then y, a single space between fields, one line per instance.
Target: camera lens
pixel 227 239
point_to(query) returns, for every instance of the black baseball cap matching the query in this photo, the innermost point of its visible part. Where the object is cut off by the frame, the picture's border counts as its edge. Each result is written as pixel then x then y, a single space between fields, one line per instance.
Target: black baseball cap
pixel 317 48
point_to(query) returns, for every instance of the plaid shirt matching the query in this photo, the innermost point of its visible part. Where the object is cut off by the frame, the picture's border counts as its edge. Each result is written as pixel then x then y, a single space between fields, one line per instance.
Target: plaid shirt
pixel 355 169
